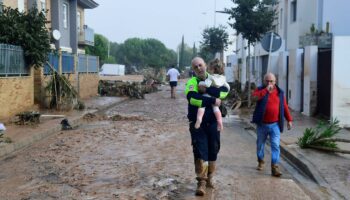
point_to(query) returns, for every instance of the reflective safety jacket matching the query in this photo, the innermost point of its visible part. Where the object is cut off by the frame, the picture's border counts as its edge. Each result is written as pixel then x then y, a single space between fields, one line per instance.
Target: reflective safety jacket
pixel 196 100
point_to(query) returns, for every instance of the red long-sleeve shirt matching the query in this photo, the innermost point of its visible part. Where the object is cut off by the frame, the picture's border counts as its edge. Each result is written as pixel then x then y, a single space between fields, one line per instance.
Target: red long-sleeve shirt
pixel 272 107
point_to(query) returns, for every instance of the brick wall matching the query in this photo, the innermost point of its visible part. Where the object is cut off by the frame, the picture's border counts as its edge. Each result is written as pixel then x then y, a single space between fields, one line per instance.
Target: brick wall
pixel 17 95
pixel 88 85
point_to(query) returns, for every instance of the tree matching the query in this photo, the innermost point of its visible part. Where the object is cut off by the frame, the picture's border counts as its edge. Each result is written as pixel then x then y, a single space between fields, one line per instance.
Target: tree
pixel 182 53
pixel 253 18
pixel 100 48
pixel 143 53
pixel 215 39
pixel 28 30
pixel 194 50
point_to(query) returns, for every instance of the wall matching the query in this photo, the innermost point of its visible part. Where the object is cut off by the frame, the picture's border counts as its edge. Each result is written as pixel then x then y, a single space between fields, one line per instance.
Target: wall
pixel 231 68
pixel 340 90
pixel 310 80
pixel 17 95
pixel 88 85
pixel 282 71
pixel 294 79
pixel 10 3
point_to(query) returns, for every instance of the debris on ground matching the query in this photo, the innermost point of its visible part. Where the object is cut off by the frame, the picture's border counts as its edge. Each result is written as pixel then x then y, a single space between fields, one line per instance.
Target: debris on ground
pixel 322 137
pixel 2 129
pixel 65 125
pixel 126 118
pixel 62 94
pixel 89 116
pixel 28 118
pixel 131 89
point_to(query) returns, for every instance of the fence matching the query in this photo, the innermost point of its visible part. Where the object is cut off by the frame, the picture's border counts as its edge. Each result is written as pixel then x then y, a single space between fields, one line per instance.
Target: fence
pixel 12 61
pixel 86 63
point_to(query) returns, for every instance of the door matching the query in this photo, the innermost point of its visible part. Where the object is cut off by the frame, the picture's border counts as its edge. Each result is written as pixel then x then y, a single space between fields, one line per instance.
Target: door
pixel 324 70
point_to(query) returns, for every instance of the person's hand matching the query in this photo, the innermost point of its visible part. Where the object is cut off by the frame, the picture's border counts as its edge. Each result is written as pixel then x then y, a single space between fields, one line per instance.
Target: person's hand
pixel 202 89
pixel 217 102
pixel 269 87
pixel 289 125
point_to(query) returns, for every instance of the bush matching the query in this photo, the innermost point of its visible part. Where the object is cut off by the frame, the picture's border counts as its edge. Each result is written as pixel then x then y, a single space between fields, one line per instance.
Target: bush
pixel 28 30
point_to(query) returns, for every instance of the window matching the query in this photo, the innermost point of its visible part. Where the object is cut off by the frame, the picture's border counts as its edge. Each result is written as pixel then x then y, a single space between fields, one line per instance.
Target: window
pixel 78 22
pixel 281 18
pixel 65 15
pixel 20 5
pixel 294 11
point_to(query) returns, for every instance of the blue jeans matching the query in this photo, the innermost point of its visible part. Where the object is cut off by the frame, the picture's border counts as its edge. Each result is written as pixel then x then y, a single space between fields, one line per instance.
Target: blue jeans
pixel 274 132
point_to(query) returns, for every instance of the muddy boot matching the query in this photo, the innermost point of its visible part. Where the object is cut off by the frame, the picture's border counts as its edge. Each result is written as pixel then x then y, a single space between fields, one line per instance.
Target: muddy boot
pixel 260 165
pixel 211 170
pixel 275 170
pixel 201 168
pixel 200 191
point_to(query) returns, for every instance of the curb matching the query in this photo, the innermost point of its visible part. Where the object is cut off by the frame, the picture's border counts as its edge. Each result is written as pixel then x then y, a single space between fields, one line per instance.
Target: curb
pixel 295 159
pixel 7 149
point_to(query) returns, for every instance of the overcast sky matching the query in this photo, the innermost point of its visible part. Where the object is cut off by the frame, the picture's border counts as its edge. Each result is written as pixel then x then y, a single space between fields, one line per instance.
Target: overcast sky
pixel 165 20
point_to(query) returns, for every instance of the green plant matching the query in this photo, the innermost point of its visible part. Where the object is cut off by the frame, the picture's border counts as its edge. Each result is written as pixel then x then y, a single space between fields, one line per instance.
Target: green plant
pixel 28 30
pixel 313 29
pixel 321 135
pixel 61 91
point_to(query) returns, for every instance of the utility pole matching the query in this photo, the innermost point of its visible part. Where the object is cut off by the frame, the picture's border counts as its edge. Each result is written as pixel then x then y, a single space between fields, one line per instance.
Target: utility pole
pixel 214 13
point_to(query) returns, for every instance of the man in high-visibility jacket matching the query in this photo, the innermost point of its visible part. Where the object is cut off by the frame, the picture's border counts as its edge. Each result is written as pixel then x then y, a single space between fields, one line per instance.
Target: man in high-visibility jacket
pixel 205 139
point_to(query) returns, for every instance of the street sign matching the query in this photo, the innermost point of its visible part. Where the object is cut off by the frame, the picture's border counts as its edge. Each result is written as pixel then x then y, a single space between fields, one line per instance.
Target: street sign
pixel 274 44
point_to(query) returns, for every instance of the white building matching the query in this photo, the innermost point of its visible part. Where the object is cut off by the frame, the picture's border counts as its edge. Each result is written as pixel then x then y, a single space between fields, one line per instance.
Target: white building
pixel 296 62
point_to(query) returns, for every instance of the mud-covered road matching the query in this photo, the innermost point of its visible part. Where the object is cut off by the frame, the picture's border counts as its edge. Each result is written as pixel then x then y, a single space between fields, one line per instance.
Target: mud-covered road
pixel 145 154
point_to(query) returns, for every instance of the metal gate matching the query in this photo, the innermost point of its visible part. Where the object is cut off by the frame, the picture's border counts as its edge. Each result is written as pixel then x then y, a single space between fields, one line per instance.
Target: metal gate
pixel 324 70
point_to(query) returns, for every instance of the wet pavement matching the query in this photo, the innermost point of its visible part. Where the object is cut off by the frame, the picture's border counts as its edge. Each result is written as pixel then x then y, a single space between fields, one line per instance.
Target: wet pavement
pixel 146 155
pixel 329 170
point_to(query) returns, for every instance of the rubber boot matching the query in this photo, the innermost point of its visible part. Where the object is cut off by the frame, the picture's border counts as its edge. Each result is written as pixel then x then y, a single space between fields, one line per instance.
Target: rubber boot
pixel 275 170
pixel 201 169
pixel 260 165
pixel 211 170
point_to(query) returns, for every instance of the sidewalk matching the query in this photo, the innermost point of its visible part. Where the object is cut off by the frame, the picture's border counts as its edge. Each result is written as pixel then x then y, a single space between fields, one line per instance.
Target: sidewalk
pixel 23 136
pixel 329 170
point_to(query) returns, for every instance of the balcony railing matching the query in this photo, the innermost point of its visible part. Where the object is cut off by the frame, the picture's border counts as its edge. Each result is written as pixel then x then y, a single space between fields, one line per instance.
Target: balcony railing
pixel 86 36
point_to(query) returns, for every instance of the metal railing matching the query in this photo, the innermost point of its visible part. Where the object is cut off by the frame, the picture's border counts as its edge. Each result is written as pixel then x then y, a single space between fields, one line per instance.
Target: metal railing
pixel 88 64
pixel 54 62
pixel 85 63
pixel 86 36
pixel 12 61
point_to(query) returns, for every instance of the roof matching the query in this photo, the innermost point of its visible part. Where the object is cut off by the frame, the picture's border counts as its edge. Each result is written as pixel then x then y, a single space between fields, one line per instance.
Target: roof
pixel 87 4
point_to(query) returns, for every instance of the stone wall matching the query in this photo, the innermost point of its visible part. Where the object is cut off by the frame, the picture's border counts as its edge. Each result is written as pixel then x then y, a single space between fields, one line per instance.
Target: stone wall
pixel 17 95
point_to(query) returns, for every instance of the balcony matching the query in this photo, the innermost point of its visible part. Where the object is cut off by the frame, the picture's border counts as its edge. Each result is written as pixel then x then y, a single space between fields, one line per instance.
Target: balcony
pixel 86 36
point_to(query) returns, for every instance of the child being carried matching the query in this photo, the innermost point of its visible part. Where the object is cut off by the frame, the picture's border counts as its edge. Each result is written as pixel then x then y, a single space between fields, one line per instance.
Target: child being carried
pixel 215 79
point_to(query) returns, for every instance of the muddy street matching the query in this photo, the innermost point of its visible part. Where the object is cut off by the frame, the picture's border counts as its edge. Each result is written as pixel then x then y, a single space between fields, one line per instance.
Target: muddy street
pixel 144 153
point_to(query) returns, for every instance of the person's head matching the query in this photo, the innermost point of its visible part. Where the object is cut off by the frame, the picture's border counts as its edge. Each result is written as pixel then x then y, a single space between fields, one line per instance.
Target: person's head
pixel 269 79
pixel 216 67
pixel 199 67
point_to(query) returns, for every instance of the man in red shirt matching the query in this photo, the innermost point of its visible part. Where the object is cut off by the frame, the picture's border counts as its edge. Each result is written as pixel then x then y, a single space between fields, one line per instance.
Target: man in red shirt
pixel 270 111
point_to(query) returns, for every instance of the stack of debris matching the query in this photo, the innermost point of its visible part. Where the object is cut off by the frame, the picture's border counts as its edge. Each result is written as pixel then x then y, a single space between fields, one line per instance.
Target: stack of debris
pixel 28 118
pixel 133 90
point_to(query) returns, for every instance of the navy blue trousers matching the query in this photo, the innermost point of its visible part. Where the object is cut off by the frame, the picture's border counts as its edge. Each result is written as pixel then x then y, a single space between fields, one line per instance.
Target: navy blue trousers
pixel 205 141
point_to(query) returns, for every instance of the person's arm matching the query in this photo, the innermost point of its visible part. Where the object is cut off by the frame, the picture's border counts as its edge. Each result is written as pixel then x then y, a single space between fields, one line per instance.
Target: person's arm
pixel 196 99
pixel 220 92
pixel 287 115
pixel 259 94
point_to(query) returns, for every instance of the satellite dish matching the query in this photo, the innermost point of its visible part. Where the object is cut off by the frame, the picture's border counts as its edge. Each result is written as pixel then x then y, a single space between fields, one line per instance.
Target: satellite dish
pixel 56 34
pixel 266 42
